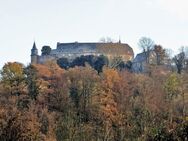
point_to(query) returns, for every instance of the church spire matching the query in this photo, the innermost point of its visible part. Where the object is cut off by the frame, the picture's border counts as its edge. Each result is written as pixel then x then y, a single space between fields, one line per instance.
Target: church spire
pixel 34 50
pixel 34 54
pixel 34 46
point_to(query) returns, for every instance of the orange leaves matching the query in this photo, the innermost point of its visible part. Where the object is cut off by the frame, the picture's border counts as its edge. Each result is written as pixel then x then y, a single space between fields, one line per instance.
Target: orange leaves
pixel 48 70
pixel 80 104
pixel 43 71
pixel 47 75
pixel 110 77
pixel 19 125
pixel 107 102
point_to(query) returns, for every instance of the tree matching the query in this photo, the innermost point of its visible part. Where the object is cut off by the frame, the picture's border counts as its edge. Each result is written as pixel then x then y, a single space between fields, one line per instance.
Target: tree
pixel 186 57
pixel 108 103
pixel 82 88
pixel 183 91
pixel 129 65
pixel 80 61
pixel 19 126
pixel 97 62
pixel 116 62
pixel 106 40
pixel 46 50
pixel 13 77
pixel 171 87
pixel 78 122
pixel 179 61
pixel 32 81
pixel 63 63
pixel 100 62
pixel 147 45
pixel 169 58
pixel 160 54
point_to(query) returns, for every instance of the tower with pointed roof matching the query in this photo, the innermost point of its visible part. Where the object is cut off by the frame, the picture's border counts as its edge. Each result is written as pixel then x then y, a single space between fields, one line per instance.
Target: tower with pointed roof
pixel 34 54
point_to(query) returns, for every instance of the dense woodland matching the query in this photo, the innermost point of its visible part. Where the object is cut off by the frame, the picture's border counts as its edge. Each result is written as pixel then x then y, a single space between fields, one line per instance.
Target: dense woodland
pixel 93 103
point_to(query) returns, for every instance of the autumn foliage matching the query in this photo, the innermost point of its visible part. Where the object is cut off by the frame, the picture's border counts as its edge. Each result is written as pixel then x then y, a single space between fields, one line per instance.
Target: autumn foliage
pixel 47 103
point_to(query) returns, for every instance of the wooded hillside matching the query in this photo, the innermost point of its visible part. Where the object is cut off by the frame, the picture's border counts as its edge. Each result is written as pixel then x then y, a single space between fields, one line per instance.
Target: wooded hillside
pixel 45 102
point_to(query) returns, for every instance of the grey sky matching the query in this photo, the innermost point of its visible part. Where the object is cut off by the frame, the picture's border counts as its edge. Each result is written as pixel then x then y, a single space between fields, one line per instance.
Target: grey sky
pixel 51 21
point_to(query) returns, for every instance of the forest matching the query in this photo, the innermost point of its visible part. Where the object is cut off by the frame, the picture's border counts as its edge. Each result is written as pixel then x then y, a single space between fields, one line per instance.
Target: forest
pixel 93 101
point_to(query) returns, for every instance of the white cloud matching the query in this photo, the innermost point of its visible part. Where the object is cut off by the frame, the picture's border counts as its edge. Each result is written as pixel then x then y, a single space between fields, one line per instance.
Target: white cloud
pixel 178 8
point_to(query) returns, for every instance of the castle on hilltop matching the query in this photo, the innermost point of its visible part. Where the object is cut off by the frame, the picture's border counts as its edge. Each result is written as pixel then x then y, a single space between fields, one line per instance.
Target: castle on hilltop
pixel 73 50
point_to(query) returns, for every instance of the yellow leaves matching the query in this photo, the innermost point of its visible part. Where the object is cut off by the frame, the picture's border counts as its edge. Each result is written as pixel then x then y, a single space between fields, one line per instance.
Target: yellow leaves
pixel 12 71
pixel 171 85
pixel 110 77
pixel 13 77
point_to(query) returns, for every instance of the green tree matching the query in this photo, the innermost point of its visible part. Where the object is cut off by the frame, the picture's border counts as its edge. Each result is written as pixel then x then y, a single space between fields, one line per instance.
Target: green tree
pixel 46 50
pixel 100 62
pixel 82 60
pixel 171 86
pixel 97 62
pixel 63 63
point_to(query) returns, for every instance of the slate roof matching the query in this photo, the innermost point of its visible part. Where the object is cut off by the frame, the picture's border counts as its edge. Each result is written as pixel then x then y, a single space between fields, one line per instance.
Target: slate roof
pixel 141 57
pixel 110 48
pixel 34 46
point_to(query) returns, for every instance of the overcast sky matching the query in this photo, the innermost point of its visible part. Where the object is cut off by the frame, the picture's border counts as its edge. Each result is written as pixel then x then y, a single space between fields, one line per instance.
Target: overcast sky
pixel 50 21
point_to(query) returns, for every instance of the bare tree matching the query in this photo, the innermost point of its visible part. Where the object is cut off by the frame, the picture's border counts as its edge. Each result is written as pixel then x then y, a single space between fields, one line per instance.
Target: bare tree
pixel 169 58
pixel 109 40
pixel 179 60
pixel 147 45
pixel 106 40
pixel 185 50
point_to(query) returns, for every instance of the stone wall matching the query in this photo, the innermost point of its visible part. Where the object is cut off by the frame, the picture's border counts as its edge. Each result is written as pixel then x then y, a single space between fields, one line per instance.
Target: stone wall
pixel 73 50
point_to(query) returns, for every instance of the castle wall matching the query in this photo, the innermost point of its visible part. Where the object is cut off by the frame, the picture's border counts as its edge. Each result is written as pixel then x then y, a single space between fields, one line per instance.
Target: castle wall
pixel 73 50
pixel 46 58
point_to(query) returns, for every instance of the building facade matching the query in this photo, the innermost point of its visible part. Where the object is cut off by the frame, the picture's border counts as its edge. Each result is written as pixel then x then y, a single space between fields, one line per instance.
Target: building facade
pixel 73 50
